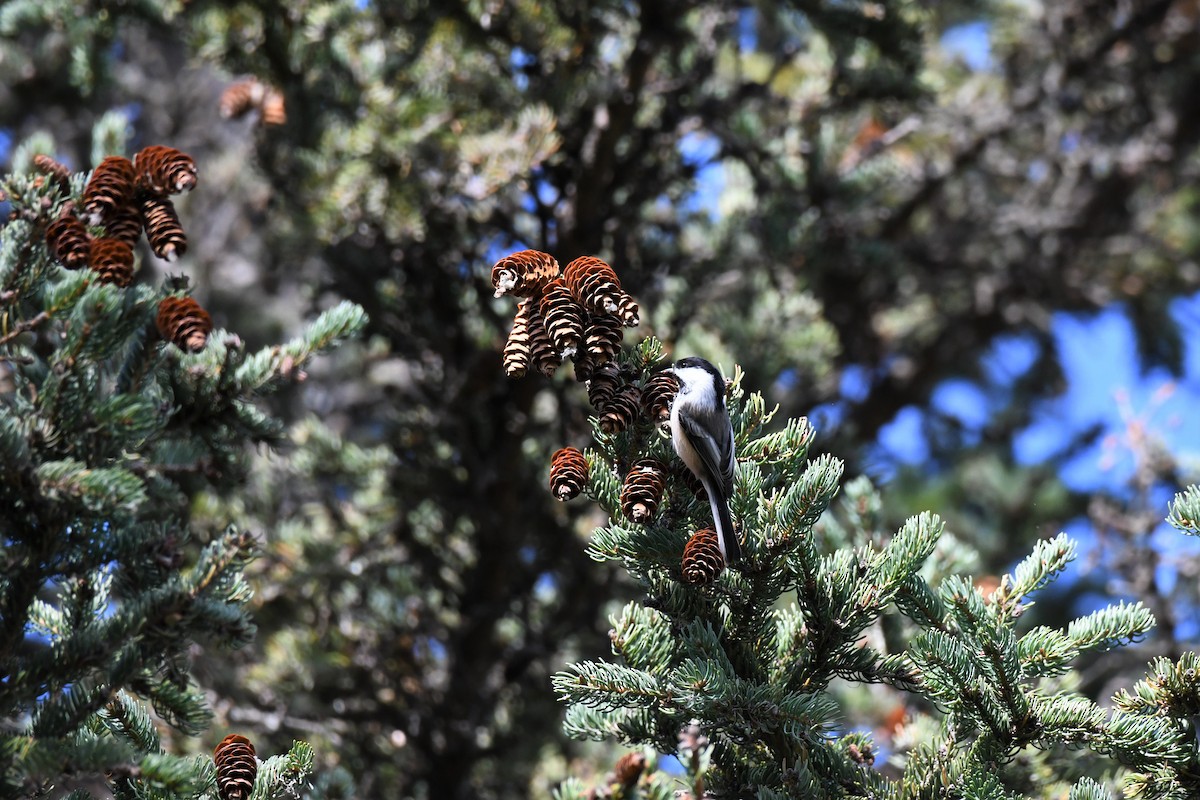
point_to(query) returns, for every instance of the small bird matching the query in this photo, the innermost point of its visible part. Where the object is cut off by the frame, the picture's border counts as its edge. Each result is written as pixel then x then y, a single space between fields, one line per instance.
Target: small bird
pixel 703 438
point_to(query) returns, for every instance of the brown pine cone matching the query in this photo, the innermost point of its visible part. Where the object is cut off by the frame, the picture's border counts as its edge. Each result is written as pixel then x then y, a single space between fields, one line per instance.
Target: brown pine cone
pixel 643 490
pixel 622 411
pixel 658 394
pixel 563 317
pixel 237 767
pixel 110 187
pixel 603 386
pixel 585 365
pixel 524 274
pixel 702 560
pixel 183 323
pixel 240 97
pixel 274 110
pixel 595 286
pixel 602 339
pixel 629 768
pixel 111 260
pixel 125 224
pixel 53 170
pixel 544 357
pixel 568 473
pixel 69 241
pixel 164 170
pixel 517 349
pixel 163 231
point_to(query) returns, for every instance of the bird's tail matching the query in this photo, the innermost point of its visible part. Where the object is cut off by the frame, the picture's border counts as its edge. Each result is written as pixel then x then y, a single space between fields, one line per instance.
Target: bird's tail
pixel 726 535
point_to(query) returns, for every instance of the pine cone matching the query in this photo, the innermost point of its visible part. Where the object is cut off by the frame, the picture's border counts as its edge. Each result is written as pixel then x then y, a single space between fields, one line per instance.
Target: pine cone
pixel 111 260
pixel 274 111
pixel 702 560
pixel 602 339
pixel 595 286
pixel 69 241
pixel 658 394
pixel 240 97
pixel 585 365
pixel 524 274
pixel 643 489
pixel 603 386
pixel 184 323
pixel 629 768
pixel 568 473
pixel 125 224
pixel 622 411
pixel 163 231
pixel 517 348
pixel 53 170
pixel 237 767
pixel 110 187
pixel 164 170
pixel 563 317
pixel 542 353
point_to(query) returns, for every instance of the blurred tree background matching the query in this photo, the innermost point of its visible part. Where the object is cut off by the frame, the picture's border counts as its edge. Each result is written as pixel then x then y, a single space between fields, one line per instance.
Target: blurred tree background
pixel 823 192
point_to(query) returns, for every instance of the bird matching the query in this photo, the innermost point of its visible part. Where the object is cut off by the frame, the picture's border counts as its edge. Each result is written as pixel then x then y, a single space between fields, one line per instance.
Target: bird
pixel 702 436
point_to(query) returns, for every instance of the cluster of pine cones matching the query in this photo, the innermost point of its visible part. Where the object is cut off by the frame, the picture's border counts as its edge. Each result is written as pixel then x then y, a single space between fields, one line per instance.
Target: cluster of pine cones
pixel 643 488
pixel 251 94
pixel 580 313
pixel 122 199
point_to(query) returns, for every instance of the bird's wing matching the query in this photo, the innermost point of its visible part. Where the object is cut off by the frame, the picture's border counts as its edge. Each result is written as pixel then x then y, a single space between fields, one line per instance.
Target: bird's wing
pixel 713 442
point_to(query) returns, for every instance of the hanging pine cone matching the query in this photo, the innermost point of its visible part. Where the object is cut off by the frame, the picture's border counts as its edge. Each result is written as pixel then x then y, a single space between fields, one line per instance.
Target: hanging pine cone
pixel 603 386
pixel 629 768
pixel 237 767
pixel 524 274
pixel 164 170
pixel 702 560
pixel 111 260
pixel 53 170
pixel 163 231
pixel 622 411
pixel 69 241
pixel 542 354
pixel 125 224
pixel 274 111
pixel 110 187
pixel 585 365
pixel 595 286
pixel 563 317
pixel 658 394
pixel 643 489
pixel 568 473
pixel 240 97
pixel 602 339
pixel 517 348
pixel 183 323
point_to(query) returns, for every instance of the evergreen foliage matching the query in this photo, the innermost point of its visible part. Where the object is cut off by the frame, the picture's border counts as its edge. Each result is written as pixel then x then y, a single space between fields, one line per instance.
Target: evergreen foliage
pixel 104 584
pixel 819 191
pixel 748 664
